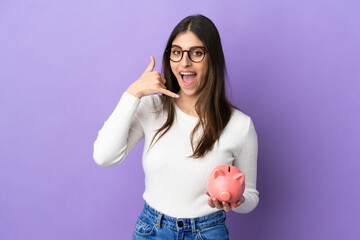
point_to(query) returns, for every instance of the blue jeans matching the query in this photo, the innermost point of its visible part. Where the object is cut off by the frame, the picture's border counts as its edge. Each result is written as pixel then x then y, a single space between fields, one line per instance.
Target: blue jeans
pixel 152 224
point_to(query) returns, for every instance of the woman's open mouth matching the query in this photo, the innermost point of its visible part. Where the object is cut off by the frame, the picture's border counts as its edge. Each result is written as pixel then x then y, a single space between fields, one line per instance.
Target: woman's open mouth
pixel 188 78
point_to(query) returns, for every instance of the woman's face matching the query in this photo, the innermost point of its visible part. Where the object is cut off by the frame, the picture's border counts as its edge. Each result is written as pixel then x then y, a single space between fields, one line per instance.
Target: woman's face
pixel 189 83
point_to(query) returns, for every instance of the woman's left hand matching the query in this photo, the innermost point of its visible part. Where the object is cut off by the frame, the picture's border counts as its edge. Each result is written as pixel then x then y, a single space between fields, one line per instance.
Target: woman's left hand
pixel 213 202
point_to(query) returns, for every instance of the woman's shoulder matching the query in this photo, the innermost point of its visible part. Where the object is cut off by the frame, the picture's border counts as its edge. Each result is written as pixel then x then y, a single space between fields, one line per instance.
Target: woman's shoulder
pixel 239 122
pixel 238 115
pixel 151 103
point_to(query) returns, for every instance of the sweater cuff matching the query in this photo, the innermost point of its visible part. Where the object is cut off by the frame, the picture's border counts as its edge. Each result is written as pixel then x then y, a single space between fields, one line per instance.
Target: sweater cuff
pixel 251 201
pixel 129 98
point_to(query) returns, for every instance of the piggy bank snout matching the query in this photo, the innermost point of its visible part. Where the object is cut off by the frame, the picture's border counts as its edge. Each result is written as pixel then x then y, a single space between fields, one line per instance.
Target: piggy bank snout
pixel 225 196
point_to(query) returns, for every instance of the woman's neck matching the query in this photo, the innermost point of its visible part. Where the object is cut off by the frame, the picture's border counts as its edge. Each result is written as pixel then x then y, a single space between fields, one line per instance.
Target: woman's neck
pixel 187 104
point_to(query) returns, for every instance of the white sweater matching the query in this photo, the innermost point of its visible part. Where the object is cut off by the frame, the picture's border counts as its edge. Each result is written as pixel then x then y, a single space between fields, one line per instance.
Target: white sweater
pixel 174 183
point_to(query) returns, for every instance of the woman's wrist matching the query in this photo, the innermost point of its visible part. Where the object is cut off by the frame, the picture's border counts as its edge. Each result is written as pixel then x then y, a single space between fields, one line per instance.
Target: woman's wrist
pixel 134 92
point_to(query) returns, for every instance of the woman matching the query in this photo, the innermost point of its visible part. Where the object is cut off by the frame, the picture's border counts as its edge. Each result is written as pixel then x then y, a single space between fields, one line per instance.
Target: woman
pixel 188 130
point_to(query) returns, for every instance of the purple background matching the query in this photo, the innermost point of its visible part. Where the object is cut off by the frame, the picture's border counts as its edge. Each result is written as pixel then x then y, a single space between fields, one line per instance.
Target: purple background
pixel 293 67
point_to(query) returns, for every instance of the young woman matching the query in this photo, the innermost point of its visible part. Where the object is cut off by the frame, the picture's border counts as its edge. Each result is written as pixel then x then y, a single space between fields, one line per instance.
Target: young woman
pixel 188 131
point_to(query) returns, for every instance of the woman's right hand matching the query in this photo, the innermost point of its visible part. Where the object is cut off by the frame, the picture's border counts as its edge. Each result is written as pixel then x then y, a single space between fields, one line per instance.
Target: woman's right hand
pixel 150 83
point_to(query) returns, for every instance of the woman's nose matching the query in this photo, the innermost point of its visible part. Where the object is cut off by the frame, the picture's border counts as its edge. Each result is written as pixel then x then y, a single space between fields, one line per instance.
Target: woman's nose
pixel 185 61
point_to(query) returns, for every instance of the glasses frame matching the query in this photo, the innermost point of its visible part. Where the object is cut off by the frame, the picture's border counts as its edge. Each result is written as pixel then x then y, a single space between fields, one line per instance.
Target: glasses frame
pixel 188 51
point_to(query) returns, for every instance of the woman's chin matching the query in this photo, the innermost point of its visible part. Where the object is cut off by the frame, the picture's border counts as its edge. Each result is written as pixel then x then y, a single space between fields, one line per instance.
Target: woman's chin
pixel 188 92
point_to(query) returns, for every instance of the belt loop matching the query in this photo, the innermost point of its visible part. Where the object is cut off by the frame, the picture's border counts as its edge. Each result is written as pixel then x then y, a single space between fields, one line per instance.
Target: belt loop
pixel 224 215
pixel 193 227
pixel 158 223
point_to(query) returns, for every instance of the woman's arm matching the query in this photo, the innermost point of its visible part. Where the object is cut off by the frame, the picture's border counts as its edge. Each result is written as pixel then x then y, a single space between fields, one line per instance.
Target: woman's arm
pixel 119 134
pixel 122 131
pixel 246 161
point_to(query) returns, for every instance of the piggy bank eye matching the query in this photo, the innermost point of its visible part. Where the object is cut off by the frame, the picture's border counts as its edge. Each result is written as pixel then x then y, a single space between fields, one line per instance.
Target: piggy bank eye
pixel 229 169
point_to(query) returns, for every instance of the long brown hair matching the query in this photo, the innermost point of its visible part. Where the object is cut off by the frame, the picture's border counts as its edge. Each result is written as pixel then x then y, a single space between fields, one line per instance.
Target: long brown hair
pixel 212 107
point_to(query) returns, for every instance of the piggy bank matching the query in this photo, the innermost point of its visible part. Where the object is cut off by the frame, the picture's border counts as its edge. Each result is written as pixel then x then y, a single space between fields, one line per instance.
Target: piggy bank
pixel 226 183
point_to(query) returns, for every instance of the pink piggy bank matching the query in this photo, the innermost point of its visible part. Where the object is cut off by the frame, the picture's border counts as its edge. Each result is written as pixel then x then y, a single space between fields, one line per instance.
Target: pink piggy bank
pixel 226 183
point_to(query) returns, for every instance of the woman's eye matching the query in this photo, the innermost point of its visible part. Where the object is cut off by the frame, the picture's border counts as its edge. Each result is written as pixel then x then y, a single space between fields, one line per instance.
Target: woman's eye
pixel 197 53
pixel 176 52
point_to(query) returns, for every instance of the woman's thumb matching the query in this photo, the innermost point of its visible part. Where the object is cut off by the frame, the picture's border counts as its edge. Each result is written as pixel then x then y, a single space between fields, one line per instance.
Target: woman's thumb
pixel 151 65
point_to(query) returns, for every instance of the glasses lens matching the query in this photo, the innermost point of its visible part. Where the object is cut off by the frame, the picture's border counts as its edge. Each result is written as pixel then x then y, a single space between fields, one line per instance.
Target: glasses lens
pixel 175 54
pixel 196 54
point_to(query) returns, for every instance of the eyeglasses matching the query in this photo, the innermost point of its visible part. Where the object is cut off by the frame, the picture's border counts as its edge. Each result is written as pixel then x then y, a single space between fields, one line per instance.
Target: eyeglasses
pixel 196 54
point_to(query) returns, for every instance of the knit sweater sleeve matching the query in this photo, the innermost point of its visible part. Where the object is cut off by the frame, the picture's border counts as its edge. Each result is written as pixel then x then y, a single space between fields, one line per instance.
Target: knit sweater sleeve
pixel 246 161
pixel 120 133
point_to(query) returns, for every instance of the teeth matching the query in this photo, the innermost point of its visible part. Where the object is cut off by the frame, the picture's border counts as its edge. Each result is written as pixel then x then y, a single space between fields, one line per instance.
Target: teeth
pixel 183 73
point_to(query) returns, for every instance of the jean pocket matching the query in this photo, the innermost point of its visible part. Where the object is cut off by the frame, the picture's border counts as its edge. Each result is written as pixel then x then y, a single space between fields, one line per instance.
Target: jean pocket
pixel 215 232
pixel 144 226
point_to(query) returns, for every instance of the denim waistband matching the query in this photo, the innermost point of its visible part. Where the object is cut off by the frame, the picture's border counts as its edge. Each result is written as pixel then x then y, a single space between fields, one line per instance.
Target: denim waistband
pixel 183 224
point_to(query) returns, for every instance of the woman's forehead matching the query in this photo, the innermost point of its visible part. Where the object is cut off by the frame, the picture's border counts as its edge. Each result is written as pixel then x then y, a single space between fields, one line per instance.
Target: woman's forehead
pixel 187 40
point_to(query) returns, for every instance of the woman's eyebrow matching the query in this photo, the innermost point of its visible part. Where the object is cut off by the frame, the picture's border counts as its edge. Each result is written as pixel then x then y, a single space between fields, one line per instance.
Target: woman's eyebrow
pixel 190 47
pixel 176 46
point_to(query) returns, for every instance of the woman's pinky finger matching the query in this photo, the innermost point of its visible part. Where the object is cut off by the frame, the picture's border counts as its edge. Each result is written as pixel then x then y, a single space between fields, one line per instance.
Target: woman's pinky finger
pixel 169 93
pixel 226 206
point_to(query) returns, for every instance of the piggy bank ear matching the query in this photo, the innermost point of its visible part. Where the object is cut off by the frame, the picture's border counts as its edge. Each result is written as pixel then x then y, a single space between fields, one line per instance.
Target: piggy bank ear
pixel 239 177
pixel 218 173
